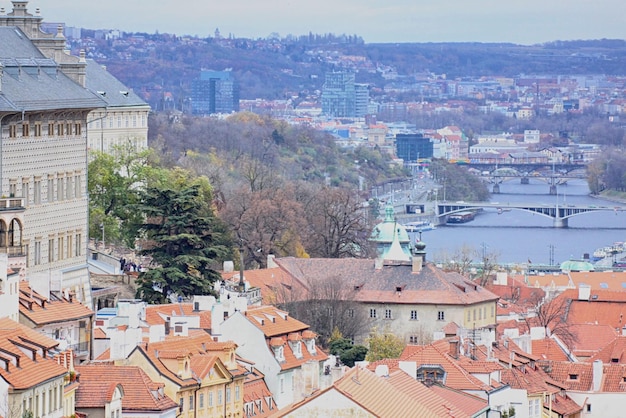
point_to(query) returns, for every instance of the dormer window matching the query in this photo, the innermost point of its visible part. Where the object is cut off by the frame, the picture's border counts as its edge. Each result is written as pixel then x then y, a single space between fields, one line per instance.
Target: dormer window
pixel 279 353
pixel 573 376
pixel 310 346
pixel 431 373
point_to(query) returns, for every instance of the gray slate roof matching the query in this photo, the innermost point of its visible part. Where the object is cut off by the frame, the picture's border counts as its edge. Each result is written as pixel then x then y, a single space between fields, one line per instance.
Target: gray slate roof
pixel 112 91
pixel 32 82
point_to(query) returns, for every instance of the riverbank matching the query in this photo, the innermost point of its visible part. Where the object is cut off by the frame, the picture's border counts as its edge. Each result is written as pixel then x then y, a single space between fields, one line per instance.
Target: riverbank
pixel 612 195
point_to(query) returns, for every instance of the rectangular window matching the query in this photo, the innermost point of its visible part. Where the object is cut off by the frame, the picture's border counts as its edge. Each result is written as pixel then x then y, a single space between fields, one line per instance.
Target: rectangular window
pixel 37 254
pixel 134 121
pixel 237 394
pixel 12 131
pixel 78 245
pixel 201 400
pixel 51 250
pixel 219 396
pixel 110 121
pixel 25 130
pixel 228 395
pixel 78 129
pixel 37 130
pixel 414 315
pixel 25 190
pixel 60 248
pixel 12 188
pixel 350 313
pixel 372 313
pixel 469 315
pixel 60 188
pixel 441 316
pixel 181 404
pixel 387 313
pixel 191 407
pixel 60 129
pixel 50 191
pixel 69 189
pixel 210 398
pixel 77 185
pixel 68 128
pixel 69 246
pixel 37 192
pixel 50 129
pixel 119 121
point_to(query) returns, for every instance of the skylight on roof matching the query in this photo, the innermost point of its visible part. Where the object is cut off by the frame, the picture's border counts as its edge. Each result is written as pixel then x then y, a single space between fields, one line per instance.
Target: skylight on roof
pixel 604 285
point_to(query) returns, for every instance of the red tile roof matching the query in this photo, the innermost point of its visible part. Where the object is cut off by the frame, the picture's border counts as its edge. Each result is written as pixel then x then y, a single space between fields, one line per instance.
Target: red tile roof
pixel 456 376
pixel 612 352
pixel 201 350
pixel 276 285
pixel 24 357
pixel 158 314
pixel 140 393
pixel 273 321
pixel 40 310
pixel 548 349
pixel 375 395
pixel 430 286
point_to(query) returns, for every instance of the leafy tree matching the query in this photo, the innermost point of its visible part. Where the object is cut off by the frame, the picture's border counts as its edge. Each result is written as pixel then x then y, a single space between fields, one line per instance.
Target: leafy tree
pixel 114 183
pixel 347 352
pixel 383 345
pixel 184 240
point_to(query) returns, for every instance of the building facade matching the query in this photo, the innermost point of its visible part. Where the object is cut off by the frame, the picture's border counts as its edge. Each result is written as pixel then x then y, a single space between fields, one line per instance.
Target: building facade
pixel 343 97
pixel 43 128
pixel 214 92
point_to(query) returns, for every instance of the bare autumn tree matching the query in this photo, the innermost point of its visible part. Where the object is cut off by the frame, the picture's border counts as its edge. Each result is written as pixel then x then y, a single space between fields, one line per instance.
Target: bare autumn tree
pixel 552 316
pixel 264 222
pixel 338 224
pixel 325 305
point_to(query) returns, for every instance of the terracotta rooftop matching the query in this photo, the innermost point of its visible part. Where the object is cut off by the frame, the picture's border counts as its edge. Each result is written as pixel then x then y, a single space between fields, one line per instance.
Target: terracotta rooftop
pixel 273 321
pixel 41 311
pixel 199 348
pixel 24 356
pixel 376 395
pixel 612 352
pixel 140 393
pixel 276 285
pixel 589 339
pixel 548 349
pixel 456 376
pixel 158 314
pixel 430 286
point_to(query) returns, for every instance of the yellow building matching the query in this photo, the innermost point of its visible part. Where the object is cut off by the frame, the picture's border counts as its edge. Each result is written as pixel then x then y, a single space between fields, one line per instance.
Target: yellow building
pixel 201 375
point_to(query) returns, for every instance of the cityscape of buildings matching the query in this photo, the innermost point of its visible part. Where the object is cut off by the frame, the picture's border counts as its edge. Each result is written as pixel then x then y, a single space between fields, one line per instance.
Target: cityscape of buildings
pixel 550 345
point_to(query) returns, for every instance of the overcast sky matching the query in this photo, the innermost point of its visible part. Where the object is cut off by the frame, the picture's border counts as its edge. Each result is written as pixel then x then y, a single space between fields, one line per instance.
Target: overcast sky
pixel 523 22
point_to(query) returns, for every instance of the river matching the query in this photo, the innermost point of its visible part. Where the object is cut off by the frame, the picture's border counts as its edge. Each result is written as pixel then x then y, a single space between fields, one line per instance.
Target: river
pixel 518 236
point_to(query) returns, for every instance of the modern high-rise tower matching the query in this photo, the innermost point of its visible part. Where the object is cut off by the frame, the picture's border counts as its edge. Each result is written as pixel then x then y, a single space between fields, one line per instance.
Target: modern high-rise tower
pixel 214 92
pixel 342 97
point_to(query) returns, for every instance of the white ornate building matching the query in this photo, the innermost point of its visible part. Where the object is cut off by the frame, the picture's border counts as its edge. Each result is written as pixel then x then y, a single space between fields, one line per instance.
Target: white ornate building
pixel 43 155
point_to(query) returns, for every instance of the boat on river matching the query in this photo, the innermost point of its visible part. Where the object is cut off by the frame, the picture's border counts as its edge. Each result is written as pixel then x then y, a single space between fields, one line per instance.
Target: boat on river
pixel 461 217
pixel 419 226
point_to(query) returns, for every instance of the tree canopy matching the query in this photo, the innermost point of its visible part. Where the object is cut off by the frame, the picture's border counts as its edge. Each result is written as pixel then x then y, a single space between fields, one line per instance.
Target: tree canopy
pixel 184 240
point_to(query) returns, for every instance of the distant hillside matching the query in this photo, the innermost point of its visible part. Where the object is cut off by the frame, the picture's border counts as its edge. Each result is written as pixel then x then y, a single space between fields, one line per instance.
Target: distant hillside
pixel 280 68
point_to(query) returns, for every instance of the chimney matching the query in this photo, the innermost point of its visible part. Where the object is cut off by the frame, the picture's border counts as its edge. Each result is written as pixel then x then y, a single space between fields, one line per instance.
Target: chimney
pixel 597 374
pixel 584 291
pixel 270 261
pixel 417 263
pixel 454 349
